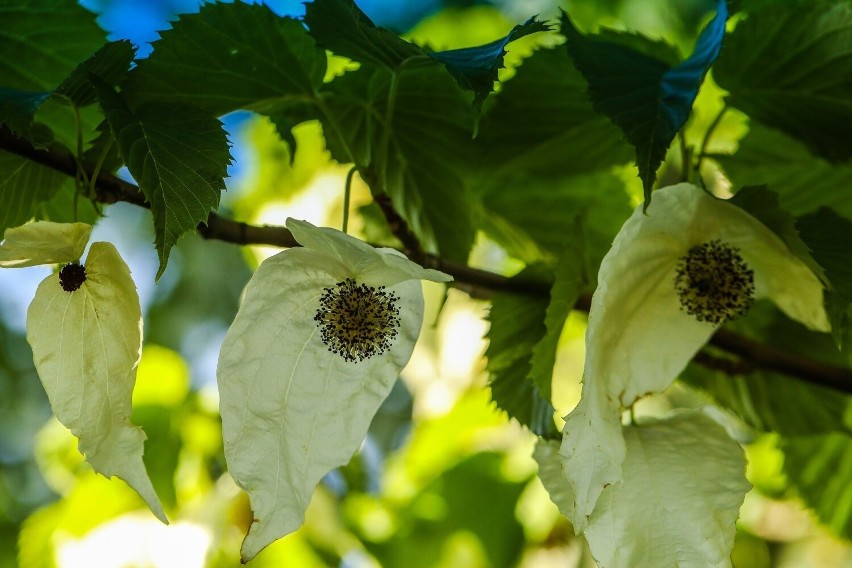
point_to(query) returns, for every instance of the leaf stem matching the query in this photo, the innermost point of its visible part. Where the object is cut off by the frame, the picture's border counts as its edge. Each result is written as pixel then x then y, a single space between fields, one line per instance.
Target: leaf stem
pixel 347 192
pixel 702 152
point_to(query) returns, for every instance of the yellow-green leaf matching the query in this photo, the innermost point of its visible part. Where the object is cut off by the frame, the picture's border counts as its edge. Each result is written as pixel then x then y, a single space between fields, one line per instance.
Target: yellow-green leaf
pixel 86 346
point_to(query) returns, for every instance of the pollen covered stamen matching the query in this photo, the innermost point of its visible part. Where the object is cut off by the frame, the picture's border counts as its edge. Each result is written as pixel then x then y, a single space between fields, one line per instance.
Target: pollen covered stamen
pixel 357 321
pixel 714 283
pixel 72 276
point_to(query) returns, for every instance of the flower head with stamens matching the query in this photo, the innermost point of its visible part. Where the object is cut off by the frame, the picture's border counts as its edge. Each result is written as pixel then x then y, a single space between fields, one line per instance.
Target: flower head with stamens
pixel 671 278
pixel 321 336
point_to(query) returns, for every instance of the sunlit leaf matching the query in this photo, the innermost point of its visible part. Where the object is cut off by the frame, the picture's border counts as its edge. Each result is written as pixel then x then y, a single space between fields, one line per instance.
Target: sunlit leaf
pixel 820 468
pixel 648 98
pixel 86 345
pixel 677 505
pixel 244 56
pixel 293 409
pixel 179 155
pixel 791 68
pixel 43 242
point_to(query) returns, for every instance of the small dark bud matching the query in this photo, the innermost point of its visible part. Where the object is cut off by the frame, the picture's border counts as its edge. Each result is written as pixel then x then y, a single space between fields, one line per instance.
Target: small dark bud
pixel 72 276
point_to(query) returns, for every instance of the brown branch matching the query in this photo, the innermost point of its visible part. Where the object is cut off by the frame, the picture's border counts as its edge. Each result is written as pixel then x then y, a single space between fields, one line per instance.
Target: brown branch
pixel 476 282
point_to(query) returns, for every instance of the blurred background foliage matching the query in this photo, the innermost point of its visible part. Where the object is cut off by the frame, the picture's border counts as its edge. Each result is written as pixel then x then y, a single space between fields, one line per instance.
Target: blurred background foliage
pixel 443 479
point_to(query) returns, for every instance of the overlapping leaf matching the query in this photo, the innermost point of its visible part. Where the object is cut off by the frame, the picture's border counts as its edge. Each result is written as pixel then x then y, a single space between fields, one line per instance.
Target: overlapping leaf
pixel 828 235
pixel 110 64
pixel 804 182
pixel 792 70
pixel 648 98
pixel 341 26
pixel 43 243
pixel 522 341
pixel 820 468
pixel 24 185
pixel 230 56
pixel 179 156
pixel 86 346
pixel 418 158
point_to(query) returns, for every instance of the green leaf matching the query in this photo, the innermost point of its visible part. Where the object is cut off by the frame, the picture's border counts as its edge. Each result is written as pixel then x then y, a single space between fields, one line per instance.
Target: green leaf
pixel 771 402
pixel 43 242
pixel 86 346
pixel 178 154
pixel 475 68
pixel 418 158
pixel 804 182
pixel 293 410
pixel 546 455
pixel 516 327
pixel 791 68
pixel 110 64
pixel 340 26
pixel 543 210
pixel 230 56
pixel 18 109
pixel 828 235
pixel 679 499
pixel 542 123
pixel 820 468
pixel 23 186
pixel 646 97
pixel 43 42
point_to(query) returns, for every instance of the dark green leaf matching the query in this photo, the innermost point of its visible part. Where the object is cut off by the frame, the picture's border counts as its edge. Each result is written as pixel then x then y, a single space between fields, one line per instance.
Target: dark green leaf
pixel 18 109
pixel 829 237
pixel 771 402
pixel 110 63
pixel 516 327
pixel 419 158
pixel 647 98
pixel 24 184
pixel 230 56
pixel 475 68
pixel 178 155
pixel 803 182
pixel 340 26
pixel 61 207
pixel 542 123
pixel 820 467
pixel 544 210
pixel 791 68
pixel 569 278
pixel 42 42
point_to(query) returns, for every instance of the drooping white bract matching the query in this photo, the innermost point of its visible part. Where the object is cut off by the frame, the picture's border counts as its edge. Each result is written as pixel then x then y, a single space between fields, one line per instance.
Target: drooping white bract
pixel 671 276
pixel 85 329
pixel 320 337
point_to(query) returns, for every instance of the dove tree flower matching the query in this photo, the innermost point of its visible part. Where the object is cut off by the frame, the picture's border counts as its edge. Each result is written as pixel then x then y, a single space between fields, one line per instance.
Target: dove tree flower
pixel 671 278
pixel 85 329
pixel 320 338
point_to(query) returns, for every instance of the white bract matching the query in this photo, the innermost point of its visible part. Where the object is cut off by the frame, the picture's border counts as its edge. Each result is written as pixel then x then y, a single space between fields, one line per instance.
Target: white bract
pixel 85 329
pixel 319 340
pixel 671 277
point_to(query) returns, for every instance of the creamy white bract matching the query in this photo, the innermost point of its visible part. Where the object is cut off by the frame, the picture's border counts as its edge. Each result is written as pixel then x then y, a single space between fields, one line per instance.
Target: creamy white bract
pixel 320 337
pixel 642 332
